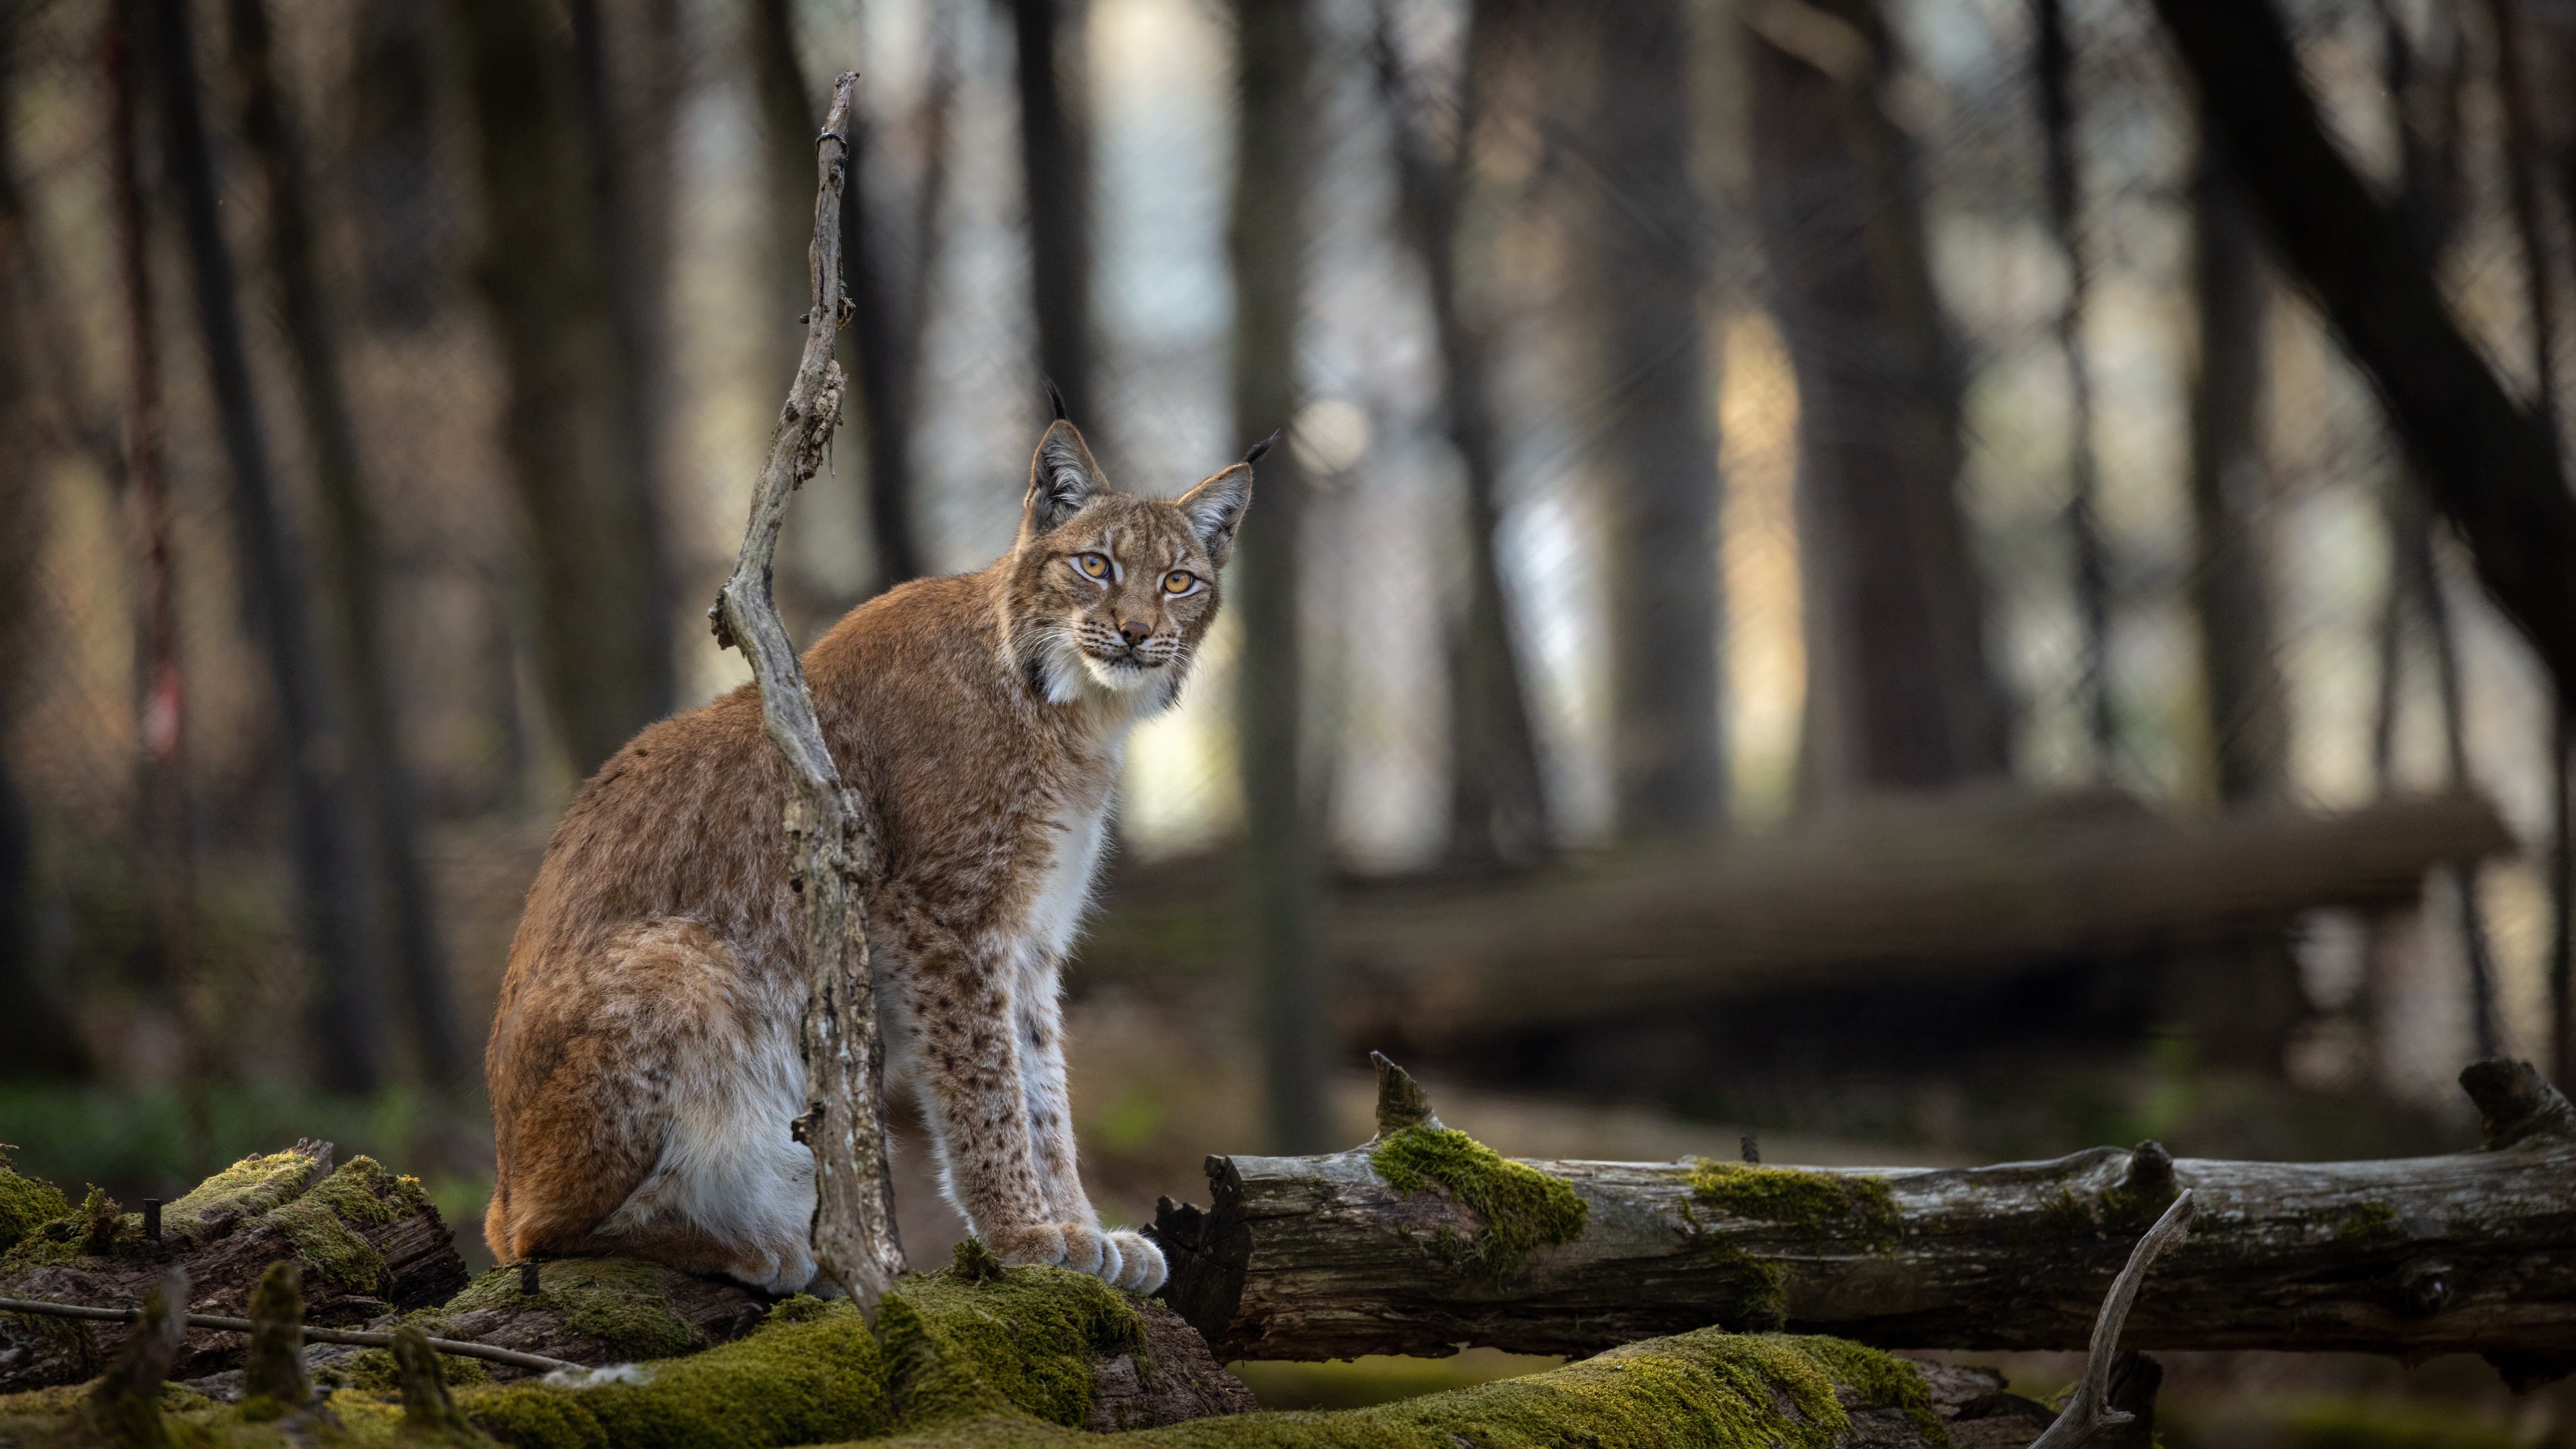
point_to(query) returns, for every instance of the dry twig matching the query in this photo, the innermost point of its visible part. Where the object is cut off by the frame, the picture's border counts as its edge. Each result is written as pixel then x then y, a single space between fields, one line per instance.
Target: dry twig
pixel 2089 1411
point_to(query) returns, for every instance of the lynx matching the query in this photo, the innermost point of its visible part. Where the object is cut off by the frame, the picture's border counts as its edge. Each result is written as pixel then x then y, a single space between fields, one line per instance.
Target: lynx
pixel 644 1065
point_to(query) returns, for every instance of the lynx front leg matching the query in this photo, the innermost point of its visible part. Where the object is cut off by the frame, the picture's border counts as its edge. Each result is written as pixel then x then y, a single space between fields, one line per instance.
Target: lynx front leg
pixel 1130 1259
pixel 967 1060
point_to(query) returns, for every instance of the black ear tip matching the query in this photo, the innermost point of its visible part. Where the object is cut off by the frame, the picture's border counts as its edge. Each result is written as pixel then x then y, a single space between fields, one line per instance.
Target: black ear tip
pixel 1055 397
pixel 1260 448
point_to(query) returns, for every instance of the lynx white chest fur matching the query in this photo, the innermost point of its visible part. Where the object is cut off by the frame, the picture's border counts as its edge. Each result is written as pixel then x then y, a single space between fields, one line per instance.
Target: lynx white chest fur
pixel 643 1063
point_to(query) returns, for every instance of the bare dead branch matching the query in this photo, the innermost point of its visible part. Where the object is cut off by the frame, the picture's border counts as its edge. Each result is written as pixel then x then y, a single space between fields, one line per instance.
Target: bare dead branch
pixel 2089 1411
pixel 854 1231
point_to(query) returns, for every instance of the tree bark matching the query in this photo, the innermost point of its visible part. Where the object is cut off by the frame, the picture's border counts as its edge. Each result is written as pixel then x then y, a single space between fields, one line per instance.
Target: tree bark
pixel 844 1121
pixel 1899 694
pixel 355 553
pixel 1498 811
pixel 1645 252
pixel 1319 1257
pixel 1281 855
pixel 602 634
pixel 2488 462
pixel 349 1017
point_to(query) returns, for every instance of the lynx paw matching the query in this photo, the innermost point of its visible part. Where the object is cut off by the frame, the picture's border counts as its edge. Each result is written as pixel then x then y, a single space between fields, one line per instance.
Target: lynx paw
pixel 1142 1269
pixel 1121 1259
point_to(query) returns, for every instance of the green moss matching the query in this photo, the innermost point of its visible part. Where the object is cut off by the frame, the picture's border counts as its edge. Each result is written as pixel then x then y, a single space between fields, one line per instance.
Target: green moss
pixel 2067 1216
pixel 357 1194
pixel 1880 1379
pixel 330 1249
pixel 2366 1424
pixel 1823 1204
pixel 1757 1286
pixel 619 1301
pixel 99 1217
pixel 815 1381
pixel 2125 1207
pixel 973 1262
pixel 1523 1209
pixel 257 1184
pixel 1022 1341
pixel 26 1203
pixel 2370 1219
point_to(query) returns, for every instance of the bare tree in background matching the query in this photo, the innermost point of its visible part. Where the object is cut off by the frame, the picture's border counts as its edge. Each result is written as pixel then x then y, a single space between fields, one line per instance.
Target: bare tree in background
pixel 349 1008
pixel 354 552
pixel 36 1036
pixel 2526 183
pixel 2249 726
pixel 1056 175
pixel 1899 695
pixel 2056 71
pixel 574 434
pixel 405 212
pixel 1498 811
pixel 887 249
pixel 1281 863
pixel 1644 252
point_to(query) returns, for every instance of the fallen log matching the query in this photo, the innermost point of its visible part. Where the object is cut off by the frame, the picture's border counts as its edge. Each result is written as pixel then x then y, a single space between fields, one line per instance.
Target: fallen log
pixel 1423 1241
pixel 369 1243
pixel 1972 887
pixel 1949 888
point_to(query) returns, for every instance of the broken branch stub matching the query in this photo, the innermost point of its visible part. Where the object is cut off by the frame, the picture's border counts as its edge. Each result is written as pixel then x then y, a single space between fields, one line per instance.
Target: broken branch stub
pixel 854 1230
pixel 2089 1410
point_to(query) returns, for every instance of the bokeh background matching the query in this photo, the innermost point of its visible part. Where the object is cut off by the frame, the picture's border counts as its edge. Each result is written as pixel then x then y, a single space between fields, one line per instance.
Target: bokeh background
pixel 1825 580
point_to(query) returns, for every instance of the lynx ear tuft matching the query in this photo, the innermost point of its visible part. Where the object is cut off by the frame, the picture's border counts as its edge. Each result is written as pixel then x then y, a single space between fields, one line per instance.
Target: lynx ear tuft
pixel 1055 397
pixel 1062 477
pixel 1215 508
pixel 1257 450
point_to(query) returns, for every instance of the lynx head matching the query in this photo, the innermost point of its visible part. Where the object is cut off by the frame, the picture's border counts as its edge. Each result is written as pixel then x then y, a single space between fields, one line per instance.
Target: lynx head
pixel 1111 593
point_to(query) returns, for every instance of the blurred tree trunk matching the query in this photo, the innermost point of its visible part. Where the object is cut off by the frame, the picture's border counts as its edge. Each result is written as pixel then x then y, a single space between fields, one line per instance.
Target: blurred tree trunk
pixel 1646 256
pixel 1056 174
pixel 406 203
pixel 886 255
pixel 2489 463
pixel 161 702
pixel 2056 67
pixel 36 1035
pixel 1282 856
pixel 568 296
pixel 1898 695
pixel 1497 793
pixel 354 552
pixel 349 1009
pixel 788 122
pixel 2231 494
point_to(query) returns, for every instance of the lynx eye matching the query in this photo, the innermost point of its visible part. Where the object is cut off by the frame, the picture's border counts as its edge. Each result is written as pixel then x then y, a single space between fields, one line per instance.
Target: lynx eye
pixel 1179 581
pixel 1093 565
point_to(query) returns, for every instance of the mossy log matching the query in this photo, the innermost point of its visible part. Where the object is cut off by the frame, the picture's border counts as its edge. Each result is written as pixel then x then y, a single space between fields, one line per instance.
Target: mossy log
pixel 366 1241
pixel 1423 1241
pixel 977 1357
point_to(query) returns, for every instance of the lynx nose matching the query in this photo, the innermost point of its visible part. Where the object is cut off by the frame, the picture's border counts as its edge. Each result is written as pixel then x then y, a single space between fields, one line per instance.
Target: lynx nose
pixel 1135 632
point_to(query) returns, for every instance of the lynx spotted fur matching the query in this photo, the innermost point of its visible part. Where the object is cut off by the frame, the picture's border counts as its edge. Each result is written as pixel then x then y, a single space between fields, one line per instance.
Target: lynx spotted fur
pixel 643 1063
